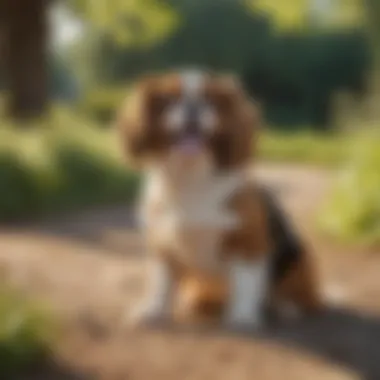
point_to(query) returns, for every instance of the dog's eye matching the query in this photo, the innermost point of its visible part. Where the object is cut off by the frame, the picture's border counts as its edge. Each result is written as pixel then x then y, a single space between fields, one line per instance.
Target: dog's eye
pixel 175 117
pixel 222 102
pixel 165 100
pixel 159 102
pixel 208 119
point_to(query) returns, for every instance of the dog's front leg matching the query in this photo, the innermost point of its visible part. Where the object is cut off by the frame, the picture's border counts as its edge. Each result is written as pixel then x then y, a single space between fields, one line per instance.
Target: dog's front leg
pixel 156 305
pixel 248 289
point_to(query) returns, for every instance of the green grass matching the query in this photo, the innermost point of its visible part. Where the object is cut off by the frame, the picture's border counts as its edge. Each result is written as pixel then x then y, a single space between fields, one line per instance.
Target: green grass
pixel 64 162
pixel 26 332
pixel 352 211
pixel 304 148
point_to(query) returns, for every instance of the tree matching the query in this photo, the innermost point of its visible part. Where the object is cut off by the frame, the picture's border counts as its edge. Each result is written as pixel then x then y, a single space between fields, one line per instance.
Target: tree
pixel 26 41
pixel 25 33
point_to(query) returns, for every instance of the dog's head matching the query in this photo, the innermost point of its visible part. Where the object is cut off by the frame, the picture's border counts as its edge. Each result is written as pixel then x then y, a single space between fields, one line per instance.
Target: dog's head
pixel 189 120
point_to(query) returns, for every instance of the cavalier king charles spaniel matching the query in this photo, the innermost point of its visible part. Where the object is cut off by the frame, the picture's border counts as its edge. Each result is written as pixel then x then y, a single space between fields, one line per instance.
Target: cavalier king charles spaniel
pixel 219 245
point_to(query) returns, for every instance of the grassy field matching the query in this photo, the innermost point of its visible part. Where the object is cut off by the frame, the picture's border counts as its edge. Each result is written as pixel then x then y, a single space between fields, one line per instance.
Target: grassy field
pixel 26 331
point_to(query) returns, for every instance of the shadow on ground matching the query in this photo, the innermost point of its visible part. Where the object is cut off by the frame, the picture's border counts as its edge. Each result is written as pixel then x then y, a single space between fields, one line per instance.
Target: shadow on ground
pixel 113 229
pixel 340 336
pixel 48 370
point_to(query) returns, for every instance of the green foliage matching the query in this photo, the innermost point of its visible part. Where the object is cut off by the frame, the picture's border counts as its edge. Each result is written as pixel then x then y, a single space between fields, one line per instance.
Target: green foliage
pixel 101 103
pixel 213 33
pixel 295 14
pixel 65 163
pixel 63 83
pixel 90 177
pixel 305 147
pixel 26 331
pixel 294 75
pixel 372 8
pixel 17 189
pixel 133 22
pixel 352 211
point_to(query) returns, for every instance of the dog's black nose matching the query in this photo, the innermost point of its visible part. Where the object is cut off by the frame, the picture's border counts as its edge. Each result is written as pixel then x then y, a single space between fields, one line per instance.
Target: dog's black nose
pixel 193 110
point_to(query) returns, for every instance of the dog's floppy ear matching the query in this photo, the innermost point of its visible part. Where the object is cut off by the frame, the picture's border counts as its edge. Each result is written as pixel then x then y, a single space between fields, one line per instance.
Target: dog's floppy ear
pixel 132 123
pixel 250 116
pixel 244 121
pixel 231 84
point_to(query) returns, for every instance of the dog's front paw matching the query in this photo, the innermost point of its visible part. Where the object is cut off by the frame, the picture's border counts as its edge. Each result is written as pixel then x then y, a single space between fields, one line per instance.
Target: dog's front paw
pixel 241 322
pixel 145 316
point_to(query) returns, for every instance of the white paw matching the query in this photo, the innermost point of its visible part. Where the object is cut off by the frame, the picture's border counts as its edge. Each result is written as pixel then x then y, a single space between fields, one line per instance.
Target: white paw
pixel 145 315
pixel 238 322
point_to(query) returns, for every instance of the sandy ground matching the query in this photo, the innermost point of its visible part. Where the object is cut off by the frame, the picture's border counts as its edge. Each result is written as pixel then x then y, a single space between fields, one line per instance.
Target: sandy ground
pixel 88 267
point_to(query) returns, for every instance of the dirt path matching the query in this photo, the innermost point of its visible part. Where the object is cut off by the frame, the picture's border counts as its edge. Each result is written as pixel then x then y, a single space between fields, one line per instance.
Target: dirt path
pixel 89 268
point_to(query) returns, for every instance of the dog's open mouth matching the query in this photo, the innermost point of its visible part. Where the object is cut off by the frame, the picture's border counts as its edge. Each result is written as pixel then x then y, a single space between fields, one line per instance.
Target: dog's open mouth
pixel 189 146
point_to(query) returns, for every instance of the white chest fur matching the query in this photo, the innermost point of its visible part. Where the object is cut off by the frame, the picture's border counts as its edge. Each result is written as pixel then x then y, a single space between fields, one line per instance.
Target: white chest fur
pixel 190 218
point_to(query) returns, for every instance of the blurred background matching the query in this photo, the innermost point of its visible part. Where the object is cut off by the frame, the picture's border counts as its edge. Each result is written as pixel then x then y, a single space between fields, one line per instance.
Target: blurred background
pixel 67 243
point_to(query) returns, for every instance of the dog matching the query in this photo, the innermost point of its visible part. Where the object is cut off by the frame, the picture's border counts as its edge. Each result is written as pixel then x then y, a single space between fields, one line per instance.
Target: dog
pixel 219 244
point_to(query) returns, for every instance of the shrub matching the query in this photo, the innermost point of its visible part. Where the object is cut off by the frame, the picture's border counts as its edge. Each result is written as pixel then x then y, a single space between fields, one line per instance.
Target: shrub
pixel 352 212
pixel 101 103
pixel 17 187
pixel 25 334
pixel 88 177
pixel 66 162
pixel 303 148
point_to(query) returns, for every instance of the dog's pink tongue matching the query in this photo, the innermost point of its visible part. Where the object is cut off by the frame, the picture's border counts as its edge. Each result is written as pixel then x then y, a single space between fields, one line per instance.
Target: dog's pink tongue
pixel 189 147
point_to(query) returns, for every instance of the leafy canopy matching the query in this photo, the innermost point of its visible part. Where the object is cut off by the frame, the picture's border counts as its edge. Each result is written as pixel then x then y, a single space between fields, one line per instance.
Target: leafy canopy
pixel 129 22
pixel 297 14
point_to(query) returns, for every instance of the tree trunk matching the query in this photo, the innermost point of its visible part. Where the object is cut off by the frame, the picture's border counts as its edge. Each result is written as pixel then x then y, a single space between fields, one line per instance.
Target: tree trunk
pixel 26 58
pixel 2 43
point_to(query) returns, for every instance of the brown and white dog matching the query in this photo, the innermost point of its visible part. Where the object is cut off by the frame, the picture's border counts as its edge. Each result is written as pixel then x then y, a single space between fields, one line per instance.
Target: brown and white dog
pixel 217 242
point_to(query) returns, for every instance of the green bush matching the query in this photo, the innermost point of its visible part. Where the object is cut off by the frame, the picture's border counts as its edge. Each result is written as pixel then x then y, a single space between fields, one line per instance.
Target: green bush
pixel 25 334
pixel 17 188
pixel 303 148
pixel 66 162
pixel 101 103
pixel 89 178
pixel 352 212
